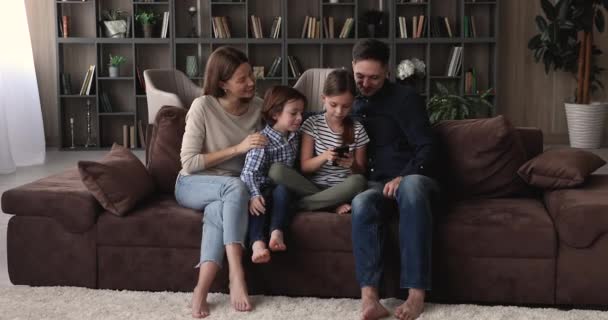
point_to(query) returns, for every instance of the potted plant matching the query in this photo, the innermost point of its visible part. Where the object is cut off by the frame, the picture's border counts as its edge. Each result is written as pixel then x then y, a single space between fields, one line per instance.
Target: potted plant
pixel 115 23
pixel 448 106
pixel 410 70
pixel 147 20
pixel 565 42
pixel 114 66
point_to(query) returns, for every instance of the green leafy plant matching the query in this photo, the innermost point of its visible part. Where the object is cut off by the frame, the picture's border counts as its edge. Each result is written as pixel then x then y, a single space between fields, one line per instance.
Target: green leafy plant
pixel 565 41
pixel 445 105
pixel 146 17
pixel 114 14
pixel 116 61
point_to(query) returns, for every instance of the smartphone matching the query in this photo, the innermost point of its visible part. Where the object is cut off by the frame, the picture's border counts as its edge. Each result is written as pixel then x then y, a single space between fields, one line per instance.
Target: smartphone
pixel 342 151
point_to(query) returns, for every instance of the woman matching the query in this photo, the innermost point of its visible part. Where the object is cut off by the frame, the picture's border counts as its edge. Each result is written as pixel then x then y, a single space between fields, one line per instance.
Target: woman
pixel 220 130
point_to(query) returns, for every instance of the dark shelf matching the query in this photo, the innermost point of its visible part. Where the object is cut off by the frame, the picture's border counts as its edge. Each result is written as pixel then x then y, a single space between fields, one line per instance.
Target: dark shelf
pixel 228 3
pixel 115 78
pixel 76 96
pixel 75 1
pixel 110 114
pixel 151 3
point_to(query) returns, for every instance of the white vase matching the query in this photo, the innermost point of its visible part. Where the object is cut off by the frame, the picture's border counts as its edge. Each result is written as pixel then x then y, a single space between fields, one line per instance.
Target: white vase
pixel 586 124
pixel 116 28
pixel 113 71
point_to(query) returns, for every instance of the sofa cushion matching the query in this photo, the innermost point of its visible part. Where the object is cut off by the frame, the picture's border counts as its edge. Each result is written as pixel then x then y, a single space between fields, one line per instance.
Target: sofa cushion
pixel 481 158
pixel 119 181
pixel 580 215
pixel 508 227
pixel 560 168
pixel 159 222
pixel 320 231
pixel 61 196
pixel 164 147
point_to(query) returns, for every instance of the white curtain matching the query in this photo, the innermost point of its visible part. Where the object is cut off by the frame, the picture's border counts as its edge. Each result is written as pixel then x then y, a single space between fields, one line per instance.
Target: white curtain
pixel 21 128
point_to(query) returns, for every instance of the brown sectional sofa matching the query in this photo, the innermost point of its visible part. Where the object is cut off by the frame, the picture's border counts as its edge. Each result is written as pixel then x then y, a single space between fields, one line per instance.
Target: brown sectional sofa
pixel 545 249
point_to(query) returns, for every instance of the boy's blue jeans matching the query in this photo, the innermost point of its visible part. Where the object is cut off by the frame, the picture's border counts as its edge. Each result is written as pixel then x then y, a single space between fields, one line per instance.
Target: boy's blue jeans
pixel 278 211
pixel 369 217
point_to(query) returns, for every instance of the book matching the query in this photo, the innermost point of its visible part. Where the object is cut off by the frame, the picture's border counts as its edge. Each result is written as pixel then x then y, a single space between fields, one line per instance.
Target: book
pixel 332 33
pixel 473 27
pixel 132 137
pixel 226 26
pixel 128 32
pixel 125 136
pixel 65 23
pixel 142 136
pixel 140 79
pixel 165 26
pixel 88 91
pixel 66 83
pixel 447 25
pixel 304 27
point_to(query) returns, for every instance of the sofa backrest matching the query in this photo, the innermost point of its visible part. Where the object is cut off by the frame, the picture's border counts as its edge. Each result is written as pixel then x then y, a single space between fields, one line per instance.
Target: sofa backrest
pixel 163 153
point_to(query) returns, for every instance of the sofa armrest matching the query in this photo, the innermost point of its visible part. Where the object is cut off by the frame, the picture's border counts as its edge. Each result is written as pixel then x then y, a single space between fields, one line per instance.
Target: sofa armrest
pixel 580 214
pixel 61 196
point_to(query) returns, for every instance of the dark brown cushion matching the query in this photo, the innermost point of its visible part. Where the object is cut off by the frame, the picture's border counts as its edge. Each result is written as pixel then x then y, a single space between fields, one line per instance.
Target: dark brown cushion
pixel 119 181
pixel 560 168
pixel 164 147
pixel 481 158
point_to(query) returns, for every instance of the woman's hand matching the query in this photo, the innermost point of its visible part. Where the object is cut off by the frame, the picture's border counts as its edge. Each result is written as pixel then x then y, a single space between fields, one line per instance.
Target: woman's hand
pixel 346 161
pixel 254 140
pixel 330 155
pixel 257 206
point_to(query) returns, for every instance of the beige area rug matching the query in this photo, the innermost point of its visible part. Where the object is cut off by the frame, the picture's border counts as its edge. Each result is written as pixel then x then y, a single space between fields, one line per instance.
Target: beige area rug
pixel 22 302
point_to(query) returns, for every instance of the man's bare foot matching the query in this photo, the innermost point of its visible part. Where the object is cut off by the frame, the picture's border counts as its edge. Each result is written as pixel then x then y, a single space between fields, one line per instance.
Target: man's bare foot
pixel 239 298
pixel 260 252
pixel 200 308
pixel 276 241
pixel 371 309
pixel 343 209
pixel 413 307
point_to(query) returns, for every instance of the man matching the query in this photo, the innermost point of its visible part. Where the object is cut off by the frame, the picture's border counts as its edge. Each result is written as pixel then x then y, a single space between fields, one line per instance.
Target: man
pixel 400 157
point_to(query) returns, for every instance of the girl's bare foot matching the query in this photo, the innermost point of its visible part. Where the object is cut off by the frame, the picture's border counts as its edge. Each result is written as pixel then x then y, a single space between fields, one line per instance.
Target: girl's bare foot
pixel 260 252
pixel 200 308
pixel 343 209
pixel 276 241
pixel 412 307
pixel 239 298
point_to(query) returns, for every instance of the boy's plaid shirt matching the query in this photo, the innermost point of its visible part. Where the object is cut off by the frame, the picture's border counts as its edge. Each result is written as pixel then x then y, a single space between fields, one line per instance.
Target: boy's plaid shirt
pixel 258 161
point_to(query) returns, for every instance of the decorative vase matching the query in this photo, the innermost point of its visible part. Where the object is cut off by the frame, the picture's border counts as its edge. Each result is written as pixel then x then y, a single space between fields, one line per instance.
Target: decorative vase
pixel 116 28
pixel 191 66
pixel 371 30
pixel 148 30
pixel 586 124
pixel 113 71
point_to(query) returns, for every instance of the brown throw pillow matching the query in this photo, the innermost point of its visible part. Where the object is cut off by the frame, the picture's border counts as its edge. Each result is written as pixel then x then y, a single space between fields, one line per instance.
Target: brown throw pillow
pixel 165 145
pixel 119 181
pixel 560 168
pixel 481 157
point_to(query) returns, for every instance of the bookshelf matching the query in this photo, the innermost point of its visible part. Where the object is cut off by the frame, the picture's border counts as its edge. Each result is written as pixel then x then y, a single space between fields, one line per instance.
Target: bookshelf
pixel 87 44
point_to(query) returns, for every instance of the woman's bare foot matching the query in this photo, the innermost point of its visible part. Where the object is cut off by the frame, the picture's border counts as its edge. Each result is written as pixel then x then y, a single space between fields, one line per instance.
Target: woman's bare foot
pixel 276 241
pixel 413 307
pixel 260 252
pixel 200 308
pixel 343 209
pixel 239 298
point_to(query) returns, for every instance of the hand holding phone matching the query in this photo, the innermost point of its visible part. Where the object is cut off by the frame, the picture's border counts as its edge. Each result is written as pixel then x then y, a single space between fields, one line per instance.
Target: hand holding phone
pixel 342 151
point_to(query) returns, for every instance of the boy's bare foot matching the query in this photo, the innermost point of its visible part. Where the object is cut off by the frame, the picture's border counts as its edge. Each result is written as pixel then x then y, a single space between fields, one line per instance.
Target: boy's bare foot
pixel 200 308
pixel 276 241
pixel 413 307
pixel 260 252
pixel 238 293
pixel 343 209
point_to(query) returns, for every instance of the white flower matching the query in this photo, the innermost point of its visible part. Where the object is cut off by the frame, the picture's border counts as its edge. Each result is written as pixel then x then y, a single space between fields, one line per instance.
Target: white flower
pixel 419 66
pixel 405 69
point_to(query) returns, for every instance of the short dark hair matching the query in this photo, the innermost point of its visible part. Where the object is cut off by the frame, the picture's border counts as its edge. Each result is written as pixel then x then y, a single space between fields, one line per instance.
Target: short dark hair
pixel 275 99
pixel 221 65
pixel 366 49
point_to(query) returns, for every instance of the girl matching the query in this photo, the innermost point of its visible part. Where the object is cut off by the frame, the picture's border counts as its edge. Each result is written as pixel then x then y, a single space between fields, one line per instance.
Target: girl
pixel 282 111
pixel 335 178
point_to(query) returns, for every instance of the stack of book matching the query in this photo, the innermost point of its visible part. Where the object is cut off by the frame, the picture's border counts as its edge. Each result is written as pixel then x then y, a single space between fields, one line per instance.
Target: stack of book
pixel 329 27
pixel 256 27
pixel 66 83
pixel 311 28
pixel 440 27
pixel 295 68
pixel 85 90
pixel 165 28
pixel 221 27
pixel 418 26
pixel 275 68
pixel 347 28
pixel 470 29
pixel 106 105
pixel 455 62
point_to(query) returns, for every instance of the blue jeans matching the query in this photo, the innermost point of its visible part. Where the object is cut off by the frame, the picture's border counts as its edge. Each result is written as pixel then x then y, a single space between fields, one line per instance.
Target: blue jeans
pixel 224 201
pixel 278 211
pixel 369 217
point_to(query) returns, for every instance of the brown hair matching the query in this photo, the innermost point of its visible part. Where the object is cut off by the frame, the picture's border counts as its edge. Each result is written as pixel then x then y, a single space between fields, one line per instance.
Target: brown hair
pixel 275 99
pixel 221 65
pixel 339 82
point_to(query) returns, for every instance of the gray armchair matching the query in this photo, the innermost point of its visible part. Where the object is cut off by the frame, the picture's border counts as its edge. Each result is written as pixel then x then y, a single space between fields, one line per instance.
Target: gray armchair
pixel 168 87
pixel 311 84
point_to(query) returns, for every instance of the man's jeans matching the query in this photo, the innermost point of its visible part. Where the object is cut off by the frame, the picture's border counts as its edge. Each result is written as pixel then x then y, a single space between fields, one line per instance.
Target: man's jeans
pixel 369 217
pixel 224 201
pixel 278 211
